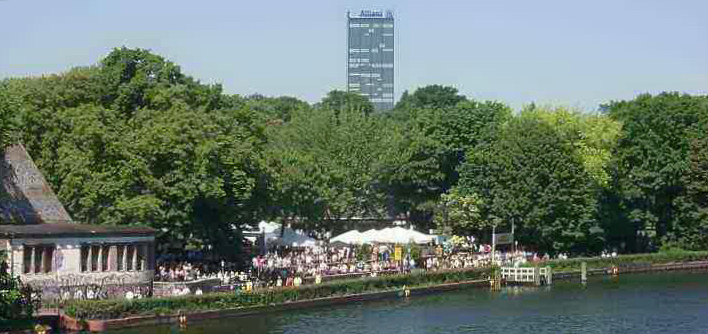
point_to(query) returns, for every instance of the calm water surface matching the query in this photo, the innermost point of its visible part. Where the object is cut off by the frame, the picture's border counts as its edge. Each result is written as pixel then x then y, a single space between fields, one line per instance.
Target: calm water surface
pixel 642 303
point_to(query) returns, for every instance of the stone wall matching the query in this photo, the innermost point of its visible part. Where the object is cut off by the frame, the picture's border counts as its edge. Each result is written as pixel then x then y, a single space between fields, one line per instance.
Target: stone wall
pixel 101 285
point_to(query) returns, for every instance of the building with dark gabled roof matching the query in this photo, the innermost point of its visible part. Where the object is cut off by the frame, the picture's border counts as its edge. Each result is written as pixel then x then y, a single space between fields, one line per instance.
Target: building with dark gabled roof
pixel 61 258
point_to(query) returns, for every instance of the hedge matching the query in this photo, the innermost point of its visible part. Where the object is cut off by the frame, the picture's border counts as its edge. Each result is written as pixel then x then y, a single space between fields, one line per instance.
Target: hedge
pixel 121 308
pixel 628 260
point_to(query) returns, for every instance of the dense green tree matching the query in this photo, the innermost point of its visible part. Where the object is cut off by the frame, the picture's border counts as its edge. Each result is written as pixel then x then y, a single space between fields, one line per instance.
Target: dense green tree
pixel 429 97
pixel 8 111
pixel 652 158
pixel 135 141
pixel 132 79
pixel 330 164
pixel 594 136
pixel 275 109
pixel 533 177
pixel 460 214
pixel 40 99
pixel 691 231
pixel 438 139
pixel 339 101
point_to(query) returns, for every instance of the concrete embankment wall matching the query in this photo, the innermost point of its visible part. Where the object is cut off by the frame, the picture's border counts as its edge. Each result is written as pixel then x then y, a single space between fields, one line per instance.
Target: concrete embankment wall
pixel 153 320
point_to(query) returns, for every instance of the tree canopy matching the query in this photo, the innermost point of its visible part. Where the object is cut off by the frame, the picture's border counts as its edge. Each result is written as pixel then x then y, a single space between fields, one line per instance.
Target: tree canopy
pixel 340 101
pixel 134 140
pixel 334 164
pixel 535 178
pixel 429 97
pixel 652 159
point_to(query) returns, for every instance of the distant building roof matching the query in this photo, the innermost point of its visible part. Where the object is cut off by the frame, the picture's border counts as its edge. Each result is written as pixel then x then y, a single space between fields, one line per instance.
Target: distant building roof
pixel 71 230
pixel 371 14
pixel 25 195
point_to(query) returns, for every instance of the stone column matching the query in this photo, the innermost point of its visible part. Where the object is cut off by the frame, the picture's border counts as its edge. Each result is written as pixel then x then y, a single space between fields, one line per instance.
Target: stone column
pixel 89 258
pixel 99 262
pixel 125 257
pixel 53 256
pixel 32 249
pixel 113 258
pixel 135 257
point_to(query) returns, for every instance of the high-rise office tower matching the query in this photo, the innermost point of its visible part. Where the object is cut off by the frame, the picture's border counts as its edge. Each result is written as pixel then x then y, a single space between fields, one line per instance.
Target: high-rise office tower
pixel 370 56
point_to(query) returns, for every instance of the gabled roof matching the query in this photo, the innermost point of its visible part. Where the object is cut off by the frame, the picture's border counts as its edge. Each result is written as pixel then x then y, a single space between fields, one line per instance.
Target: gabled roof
pixel 25 195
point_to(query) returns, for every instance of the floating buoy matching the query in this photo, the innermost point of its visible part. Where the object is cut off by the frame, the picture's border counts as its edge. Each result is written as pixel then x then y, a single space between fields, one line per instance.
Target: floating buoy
pixel 39 329
pixel 182 320
pixel 615 271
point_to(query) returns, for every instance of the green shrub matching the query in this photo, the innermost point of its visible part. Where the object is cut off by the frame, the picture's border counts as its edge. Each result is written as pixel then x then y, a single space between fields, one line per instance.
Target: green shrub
pixel 120 308
pixel 16 299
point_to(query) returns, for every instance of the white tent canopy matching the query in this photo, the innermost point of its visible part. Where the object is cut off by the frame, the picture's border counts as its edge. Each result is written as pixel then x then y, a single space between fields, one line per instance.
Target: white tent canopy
pixel 391 235
pixel 349 238
pixel 268 227
pixel 369 236
pixel 290 237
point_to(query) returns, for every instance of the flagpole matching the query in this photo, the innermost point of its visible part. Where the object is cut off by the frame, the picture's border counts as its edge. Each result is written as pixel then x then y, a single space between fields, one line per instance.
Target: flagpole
pixel 494 242
pixel 513 237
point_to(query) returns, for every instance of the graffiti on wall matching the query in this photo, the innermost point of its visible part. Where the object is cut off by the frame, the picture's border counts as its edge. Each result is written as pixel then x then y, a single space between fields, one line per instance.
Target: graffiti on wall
pixel 87 286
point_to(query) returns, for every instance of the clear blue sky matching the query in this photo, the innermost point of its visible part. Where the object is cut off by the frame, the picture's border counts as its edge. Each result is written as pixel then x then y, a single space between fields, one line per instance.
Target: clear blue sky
pixel 576 53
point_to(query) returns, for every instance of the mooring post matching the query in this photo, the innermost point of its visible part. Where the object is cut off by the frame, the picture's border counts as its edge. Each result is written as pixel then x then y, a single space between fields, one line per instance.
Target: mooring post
pixel 583 272
pixel 549 276
pixel 537 276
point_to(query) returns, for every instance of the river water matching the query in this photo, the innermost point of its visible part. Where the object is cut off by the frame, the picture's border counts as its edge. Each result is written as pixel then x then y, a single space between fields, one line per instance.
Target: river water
pixel 637 303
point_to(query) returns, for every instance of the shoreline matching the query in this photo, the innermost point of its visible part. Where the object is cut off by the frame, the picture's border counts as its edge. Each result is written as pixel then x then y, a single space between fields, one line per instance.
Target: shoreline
pixel 68 323
pixel 72 324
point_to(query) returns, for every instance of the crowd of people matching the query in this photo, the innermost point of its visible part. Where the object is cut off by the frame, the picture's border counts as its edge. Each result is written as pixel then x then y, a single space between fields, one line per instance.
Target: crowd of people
pixel 186 271
pixel 313 263
pixel 288 266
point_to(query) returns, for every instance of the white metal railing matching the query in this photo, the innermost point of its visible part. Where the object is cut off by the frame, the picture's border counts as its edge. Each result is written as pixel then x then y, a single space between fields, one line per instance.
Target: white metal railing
pixel 521 274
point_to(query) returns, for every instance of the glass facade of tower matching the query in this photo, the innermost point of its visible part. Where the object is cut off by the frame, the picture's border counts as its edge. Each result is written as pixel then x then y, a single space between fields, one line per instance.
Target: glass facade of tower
pixel 370 56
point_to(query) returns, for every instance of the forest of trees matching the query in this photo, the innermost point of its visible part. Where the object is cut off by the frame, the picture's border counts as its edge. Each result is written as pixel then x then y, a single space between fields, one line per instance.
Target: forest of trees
pixel 132 140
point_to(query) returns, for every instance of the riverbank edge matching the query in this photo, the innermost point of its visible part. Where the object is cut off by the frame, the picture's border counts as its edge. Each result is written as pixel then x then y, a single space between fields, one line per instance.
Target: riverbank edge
pixel 72 324
pixel 607 271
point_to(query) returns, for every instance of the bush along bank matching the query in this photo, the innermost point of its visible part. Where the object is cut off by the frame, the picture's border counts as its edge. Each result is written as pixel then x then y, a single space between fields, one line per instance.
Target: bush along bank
pixel 116 309
pixel 631 260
